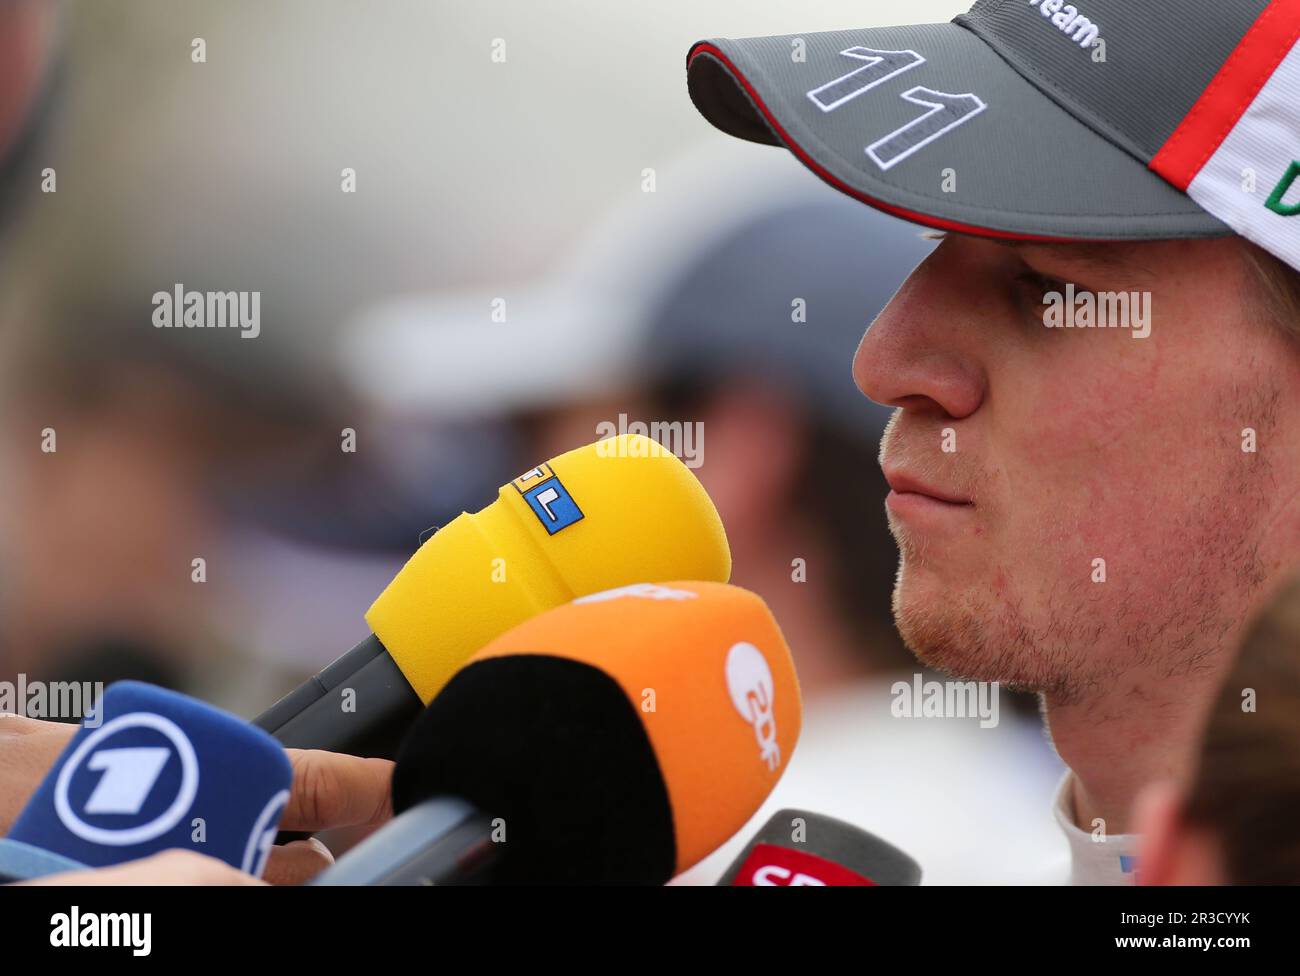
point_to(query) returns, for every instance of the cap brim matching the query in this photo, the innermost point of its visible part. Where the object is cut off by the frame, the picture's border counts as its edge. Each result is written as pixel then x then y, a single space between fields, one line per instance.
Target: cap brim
pixel 994 156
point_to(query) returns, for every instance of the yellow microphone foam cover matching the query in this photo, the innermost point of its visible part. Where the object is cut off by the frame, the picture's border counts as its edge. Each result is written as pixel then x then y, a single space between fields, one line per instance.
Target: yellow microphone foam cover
pixel 709 674
pixel 619 511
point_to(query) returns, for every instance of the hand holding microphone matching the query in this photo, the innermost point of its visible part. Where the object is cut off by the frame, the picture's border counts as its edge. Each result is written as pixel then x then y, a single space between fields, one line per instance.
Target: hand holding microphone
pixel 117 781
pixel 619 738
pixel 599 516
pixel 152 770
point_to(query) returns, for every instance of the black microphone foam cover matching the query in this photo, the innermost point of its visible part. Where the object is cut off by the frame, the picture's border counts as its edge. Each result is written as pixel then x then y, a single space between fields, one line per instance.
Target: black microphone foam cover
pixel 554 748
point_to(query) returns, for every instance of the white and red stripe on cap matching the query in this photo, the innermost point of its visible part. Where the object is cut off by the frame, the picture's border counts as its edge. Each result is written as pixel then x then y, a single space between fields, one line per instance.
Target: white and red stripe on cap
pixel 1243 134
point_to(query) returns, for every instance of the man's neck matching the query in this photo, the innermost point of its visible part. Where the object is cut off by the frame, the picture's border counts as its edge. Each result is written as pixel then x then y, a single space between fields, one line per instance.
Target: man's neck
pixel 1141 731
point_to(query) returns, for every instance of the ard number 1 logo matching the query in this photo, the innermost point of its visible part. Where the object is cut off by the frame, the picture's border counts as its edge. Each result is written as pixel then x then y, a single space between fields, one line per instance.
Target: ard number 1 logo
pixel 127 778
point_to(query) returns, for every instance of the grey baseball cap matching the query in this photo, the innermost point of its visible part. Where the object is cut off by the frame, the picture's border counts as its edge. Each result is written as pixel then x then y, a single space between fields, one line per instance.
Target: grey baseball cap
pixel 1038 119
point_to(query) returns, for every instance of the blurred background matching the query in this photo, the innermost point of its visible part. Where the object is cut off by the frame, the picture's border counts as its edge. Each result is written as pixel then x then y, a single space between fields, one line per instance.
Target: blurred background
pixel 480 232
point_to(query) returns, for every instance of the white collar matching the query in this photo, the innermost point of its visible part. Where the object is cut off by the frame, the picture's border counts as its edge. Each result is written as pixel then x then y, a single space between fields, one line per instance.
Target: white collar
pixel 1096 858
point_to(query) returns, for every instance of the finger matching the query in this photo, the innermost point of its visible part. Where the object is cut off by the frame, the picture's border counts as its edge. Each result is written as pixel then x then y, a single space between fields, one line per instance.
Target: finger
pixel 296 863
pixel 28 748
pixel 13 724
pixel 49 737
pixel 333 790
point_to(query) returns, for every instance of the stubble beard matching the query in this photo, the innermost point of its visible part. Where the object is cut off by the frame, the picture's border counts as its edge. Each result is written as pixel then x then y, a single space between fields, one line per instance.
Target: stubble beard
pixel 1081 638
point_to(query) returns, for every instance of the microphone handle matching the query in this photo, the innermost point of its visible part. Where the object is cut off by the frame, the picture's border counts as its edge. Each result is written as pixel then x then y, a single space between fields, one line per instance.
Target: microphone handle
pixel 312 717
pixel 318 685
pixel 441 841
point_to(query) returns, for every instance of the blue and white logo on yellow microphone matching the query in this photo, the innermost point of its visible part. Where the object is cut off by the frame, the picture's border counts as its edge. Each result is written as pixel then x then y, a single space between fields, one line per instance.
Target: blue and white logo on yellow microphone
pixel 548 498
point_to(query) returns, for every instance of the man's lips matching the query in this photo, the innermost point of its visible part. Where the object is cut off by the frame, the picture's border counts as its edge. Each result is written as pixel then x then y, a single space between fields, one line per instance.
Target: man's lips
pixel 903 483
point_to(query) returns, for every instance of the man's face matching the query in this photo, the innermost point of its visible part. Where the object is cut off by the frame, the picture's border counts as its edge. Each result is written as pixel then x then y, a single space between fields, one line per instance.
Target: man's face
pixel 1069 456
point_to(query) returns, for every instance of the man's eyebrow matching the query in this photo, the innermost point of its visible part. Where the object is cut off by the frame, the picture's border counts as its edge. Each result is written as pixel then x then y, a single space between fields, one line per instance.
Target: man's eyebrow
pixel 1109 257
pixel 1116 257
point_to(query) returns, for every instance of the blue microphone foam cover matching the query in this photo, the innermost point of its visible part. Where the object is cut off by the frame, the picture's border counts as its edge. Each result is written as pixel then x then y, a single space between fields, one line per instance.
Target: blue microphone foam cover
pixel 151 770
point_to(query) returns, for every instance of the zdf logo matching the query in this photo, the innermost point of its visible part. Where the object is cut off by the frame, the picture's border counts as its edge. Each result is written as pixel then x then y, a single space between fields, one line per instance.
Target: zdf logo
pixel 138 765
pixel 749 680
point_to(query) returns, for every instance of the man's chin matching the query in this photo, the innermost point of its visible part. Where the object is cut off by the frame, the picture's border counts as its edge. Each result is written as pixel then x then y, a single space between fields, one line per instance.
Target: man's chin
pixel 942 647
pixel 955 633
pixel 934 629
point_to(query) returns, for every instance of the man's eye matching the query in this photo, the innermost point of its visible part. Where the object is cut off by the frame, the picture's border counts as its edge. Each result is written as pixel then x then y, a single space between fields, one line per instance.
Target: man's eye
pixel 1031 288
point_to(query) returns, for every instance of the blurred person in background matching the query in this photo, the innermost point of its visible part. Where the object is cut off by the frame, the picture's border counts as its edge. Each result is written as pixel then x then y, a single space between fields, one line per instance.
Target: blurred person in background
pixel 131 458
pixel 129 452
pixel 740 341
pixel 124 449
pixel 29 83
pixel 1238 820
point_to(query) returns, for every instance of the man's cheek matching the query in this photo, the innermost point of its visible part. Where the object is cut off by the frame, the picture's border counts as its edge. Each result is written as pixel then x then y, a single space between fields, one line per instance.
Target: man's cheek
pixel 1092 395
pixel 1101 443
pixel 1107 540
pixel 1078 499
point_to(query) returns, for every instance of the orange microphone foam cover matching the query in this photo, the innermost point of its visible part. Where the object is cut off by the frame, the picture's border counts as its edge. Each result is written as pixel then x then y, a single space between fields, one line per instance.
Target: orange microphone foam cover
pixel 625 735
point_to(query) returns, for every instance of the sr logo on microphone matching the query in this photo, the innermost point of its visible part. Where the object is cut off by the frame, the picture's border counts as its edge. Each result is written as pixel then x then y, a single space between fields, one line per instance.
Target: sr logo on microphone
pixel 548 498
pixel 128 782
pixel 770 866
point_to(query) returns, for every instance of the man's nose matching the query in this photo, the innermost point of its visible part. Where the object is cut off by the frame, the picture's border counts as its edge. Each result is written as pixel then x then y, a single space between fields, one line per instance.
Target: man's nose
pixel 915 354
